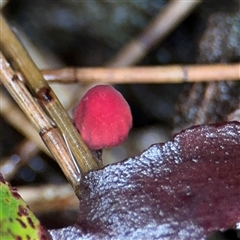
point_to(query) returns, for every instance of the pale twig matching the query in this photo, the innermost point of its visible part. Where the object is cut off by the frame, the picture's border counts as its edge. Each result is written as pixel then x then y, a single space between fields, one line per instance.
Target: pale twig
pixel 49 198
pixel 23 63
pixel 160 74
pixel 235 115
pixel 166 21
pixel 9 166
pixel 13 115
pixel 3 3
pixel 49 134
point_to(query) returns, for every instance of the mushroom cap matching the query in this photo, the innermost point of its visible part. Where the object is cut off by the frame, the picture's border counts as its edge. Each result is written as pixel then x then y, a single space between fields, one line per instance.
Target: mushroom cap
pixel 103 117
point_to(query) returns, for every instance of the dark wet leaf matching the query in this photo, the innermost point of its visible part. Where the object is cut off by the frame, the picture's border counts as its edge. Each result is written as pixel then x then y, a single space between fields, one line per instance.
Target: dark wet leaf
pixel 183 189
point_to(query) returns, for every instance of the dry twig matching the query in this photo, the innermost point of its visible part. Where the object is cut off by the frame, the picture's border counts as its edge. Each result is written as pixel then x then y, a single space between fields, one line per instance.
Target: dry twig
pixel 3 3
pixel 161 74
pixel 166 21
pixel 9 166
pixel 49 134
pixel 235 116
pixel 22 62
pixel 49 198
pixel 13 115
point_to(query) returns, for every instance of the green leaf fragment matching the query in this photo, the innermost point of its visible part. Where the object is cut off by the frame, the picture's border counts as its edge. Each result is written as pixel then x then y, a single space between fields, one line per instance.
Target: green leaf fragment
pixel 16 219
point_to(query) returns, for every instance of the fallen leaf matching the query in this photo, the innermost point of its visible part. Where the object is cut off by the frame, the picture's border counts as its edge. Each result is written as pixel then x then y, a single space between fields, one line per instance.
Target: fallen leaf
pixel 16 219
pixel 182 189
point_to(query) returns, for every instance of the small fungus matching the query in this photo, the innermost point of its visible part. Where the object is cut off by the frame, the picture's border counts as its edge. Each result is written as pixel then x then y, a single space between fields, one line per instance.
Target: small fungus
pixel 103 117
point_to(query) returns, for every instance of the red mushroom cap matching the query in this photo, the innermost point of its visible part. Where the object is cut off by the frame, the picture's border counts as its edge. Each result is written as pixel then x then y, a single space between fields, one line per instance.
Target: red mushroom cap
pixel 103 117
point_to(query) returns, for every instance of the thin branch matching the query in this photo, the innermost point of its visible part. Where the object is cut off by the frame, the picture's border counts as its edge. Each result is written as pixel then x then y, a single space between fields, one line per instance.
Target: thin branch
pixel 9 166
pixel 13 115
pixel 166 21
pixel 23 63
pixel 49 198
pixel 49 134
pixel 162 74
pixel 235 115
pixel 3 3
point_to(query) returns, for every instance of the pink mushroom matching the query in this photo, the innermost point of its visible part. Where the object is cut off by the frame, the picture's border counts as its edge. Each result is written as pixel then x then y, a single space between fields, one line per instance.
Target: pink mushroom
pixel 103 117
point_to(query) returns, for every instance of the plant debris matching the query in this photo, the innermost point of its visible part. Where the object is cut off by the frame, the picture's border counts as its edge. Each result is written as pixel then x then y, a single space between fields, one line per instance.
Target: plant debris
pixel 181 189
